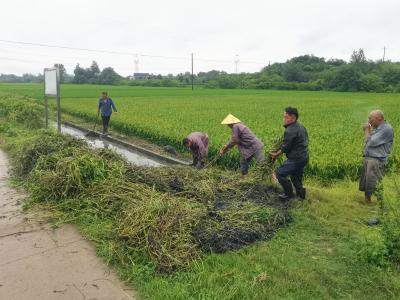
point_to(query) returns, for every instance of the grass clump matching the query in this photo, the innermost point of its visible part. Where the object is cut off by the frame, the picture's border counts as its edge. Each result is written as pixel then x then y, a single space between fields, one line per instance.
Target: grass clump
pixel 163 225
pixel 240 224
pixel 22 110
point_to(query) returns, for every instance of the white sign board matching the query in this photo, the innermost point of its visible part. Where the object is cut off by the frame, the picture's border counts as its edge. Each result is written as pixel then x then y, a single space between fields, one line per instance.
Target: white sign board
pixel 50 82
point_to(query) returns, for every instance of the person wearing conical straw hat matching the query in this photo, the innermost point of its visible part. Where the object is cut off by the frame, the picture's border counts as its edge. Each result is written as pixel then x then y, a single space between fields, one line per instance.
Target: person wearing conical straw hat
pixel 248 144
pixel 197 142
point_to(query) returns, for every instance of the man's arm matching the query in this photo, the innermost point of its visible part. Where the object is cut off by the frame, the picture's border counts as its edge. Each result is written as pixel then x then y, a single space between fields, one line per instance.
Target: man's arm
pixel 276 154
pixel 288 138
pixel 287 142
pixel 234 140
pixel 113 106
pixel 382 137
pixel 367 130
pixel 98 107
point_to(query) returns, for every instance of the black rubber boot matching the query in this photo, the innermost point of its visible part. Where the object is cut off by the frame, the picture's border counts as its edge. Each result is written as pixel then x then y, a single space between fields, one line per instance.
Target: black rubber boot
pixel 301 193
pixel 288 189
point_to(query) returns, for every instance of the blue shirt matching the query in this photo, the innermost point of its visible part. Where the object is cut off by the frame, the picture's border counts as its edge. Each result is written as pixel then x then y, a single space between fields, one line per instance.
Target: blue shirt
pixel 379 143
pixel 105 107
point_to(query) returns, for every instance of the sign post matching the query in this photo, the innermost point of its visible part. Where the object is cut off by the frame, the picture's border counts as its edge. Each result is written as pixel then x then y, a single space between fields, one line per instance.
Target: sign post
pixel 52 88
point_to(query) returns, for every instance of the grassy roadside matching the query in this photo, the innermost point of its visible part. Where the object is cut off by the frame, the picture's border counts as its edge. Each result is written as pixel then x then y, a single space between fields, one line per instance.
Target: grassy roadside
pixel 318 256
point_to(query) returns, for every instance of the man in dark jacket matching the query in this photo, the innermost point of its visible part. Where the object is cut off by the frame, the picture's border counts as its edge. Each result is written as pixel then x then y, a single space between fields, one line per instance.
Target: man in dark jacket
pixel 197 142
pixel 106 106
pixel 295 146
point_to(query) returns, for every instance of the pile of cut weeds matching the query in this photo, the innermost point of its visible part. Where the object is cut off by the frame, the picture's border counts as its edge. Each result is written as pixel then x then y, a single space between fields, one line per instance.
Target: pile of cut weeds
pixel 169 215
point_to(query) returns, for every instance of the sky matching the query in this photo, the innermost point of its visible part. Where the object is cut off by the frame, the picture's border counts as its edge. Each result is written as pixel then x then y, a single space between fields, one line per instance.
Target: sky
pixel 161 35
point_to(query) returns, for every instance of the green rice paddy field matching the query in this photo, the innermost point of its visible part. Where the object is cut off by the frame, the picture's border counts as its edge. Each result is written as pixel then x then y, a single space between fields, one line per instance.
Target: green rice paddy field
pixel 166 115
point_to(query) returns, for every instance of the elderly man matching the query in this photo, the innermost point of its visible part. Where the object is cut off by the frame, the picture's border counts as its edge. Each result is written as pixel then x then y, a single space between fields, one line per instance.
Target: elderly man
pixel 197 142
pixel 295 146
pixel 379 137
pixel 249 145
pixel 106 106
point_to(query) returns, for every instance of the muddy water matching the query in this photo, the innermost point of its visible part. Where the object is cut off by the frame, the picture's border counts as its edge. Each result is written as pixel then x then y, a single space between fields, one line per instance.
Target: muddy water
pixel 132 156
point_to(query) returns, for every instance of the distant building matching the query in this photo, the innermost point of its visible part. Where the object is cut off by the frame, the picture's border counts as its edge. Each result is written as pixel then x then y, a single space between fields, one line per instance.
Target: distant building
pixel 141 76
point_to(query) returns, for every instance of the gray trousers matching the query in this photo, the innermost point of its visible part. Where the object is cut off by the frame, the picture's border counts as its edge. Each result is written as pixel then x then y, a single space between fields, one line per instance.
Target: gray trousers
pixel 372 172
pixel 244 163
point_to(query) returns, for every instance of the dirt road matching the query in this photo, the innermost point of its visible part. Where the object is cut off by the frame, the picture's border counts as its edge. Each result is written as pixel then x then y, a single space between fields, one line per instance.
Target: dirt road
pixel 37 262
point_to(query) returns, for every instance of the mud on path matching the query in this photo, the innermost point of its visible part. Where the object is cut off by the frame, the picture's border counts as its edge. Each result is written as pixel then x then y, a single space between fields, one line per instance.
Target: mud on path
pixel 37 262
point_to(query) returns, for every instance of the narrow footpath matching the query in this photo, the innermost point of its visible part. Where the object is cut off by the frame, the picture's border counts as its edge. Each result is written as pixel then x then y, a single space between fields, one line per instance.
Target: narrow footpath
pixel 37 262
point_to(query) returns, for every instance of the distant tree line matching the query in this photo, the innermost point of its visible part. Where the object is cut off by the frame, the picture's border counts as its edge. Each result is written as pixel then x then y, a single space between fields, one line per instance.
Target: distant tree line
pixel 93 75
pixel 307 72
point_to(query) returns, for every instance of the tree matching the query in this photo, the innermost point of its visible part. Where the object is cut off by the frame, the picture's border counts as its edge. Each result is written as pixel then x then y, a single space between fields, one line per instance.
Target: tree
pixel 293 72
pixel 93 72
pixel 63 72
pixel 358 57
pixel 80 75
pixel 391 74
pixel 346 79
pixel 109 76
pixel 371 83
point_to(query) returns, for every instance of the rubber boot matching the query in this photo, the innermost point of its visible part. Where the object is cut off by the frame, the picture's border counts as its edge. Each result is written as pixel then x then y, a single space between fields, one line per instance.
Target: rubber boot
pixel 288 189
pixel 301 193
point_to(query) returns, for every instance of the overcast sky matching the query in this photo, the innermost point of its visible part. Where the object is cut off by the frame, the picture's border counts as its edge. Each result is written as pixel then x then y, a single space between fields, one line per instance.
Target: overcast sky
pixel 257 31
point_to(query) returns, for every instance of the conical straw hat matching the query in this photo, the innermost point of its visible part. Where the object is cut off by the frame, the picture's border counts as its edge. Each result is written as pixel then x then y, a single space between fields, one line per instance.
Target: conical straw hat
pixel 230 119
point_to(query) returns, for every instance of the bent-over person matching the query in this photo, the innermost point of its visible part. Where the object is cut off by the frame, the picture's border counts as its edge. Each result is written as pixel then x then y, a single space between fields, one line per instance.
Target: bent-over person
pixel 379 138
pixel 197 142
pixel 248 144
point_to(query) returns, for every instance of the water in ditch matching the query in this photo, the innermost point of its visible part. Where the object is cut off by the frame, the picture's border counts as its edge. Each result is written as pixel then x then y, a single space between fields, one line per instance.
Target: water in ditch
pixel 132 156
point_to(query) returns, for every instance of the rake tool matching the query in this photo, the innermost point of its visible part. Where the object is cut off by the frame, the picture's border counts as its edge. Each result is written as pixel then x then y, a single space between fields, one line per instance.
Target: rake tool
pixel 214 160
pixel 93 132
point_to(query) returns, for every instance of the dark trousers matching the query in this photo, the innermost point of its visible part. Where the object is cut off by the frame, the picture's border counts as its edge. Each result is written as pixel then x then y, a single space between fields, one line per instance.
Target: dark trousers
pixel 106 120
pixel 244 163
pixel 294 169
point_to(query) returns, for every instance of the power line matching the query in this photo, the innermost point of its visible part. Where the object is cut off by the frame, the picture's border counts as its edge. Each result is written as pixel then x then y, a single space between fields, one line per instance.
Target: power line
pixel 21 60
pixel 229 61
pixel 120 52
pixel 89 50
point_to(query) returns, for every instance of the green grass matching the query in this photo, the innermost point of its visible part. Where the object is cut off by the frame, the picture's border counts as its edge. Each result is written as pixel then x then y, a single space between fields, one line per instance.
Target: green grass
pixel 166 115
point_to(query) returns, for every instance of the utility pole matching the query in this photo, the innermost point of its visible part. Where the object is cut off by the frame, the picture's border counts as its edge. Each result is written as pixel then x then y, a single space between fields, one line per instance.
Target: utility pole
pixel 384 54
pixel 236 60
pixel 192 72
pixel 136 60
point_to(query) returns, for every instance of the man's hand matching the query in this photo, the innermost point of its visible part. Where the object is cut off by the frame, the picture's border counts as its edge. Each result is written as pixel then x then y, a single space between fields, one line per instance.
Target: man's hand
pixel 222 151
pixel 366 126
pixel 367 129
pixel 275 154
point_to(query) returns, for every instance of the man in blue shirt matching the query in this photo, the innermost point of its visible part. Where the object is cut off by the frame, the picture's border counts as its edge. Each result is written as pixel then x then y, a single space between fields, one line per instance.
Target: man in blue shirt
pixel 106 106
